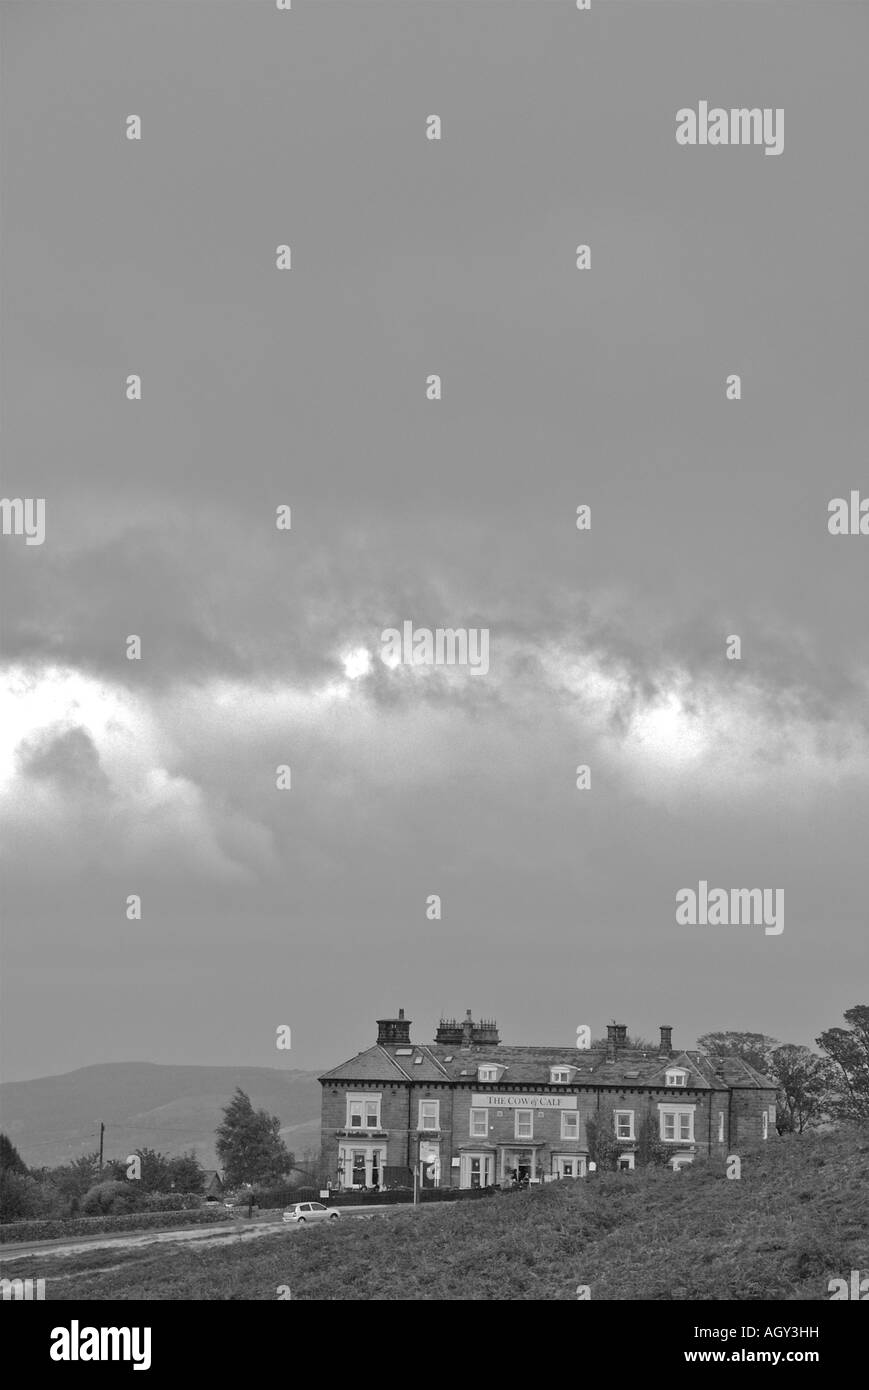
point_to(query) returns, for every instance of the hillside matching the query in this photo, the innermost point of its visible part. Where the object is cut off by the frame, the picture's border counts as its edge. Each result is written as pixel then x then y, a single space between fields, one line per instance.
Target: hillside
pixel 798 1217
pixel 55 1118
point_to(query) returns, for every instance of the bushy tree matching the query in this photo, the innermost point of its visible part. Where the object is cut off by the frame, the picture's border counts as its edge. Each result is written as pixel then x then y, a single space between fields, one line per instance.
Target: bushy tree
pixel 804 1083
pixel 249 1145
pixel 754 1048
pixel 10 1159
pixel 848 1051
pixel 603 1147
pixel 185 1173
pixel 112 1199
pixel 651 1150
pixel 21 1196
pixel 154 1171
pixel 74 1179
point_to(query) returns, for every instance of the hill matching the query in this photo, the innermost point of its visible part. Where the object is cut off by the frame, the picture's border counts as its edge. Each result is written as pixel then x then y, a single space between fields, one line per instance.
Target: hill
pixel 53 1119
pixel 798 1217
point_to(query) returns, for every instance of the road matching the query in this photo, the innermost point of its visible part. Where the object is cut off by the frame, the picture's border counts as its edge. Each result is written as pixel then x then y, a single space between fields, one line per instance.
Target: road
pixel 221 1233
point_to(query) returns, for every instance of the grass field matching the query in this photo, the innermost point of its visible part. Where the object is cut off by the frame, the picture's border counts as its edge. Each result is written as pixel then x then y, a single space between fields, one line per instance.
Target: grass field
pixel 798 1217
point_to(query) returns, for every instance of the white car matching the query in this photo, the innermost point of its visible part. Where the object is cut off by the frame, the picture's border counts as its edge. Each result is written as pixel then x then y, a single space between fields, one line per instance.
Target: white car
pixel 310 1211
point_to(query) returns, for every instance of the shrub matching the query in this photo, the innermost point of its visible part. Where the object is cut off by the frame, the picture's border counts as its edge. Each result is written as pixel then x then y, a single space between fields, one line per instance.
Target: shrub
pixel 112 1199
pixel 52 1228
pixel 22 1196
pixel 172 1201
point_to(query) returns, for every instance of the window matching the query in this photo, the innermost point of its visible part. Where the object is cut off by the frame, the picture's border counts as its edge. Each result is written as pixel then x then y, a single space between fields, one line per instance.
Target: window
pixel 677 1078
pixel 429 1114
pixel 559 1075
pixel 479 1124
pixel 677 1125
pixel 359 1166
pixel 475 1170
pixel 626 1163
pixel 569 1167
pixel 570 1124
pixel 721 1126
pixel 487 1073
pixel 363 1112
pixel 766 1124
pixel 624 1124
pixel 524 1124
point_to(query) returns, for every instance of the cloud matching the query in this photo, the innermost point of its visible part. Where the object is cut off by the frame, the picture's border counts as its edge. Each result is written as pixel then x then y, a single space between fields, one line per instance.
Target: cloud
pixel 68 756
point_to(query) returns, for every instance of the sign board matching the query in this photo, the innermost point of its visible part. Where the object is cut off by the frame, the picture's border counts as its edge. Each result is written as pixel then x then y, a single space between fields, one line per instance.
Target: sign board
pixel 525 1102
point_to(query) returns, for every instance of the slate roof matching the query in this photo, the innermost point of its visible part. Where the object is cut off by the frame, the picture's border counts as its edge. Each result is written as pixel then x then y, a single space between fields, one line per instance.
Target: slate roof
pixel 530 1066
pixel 381 1063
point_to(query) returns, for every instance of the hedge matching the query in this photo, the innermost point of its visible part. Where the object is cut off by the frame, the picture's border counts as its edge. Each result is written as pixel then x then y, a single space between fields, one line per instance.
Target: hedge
pixel 278 1197
pixel 54 1227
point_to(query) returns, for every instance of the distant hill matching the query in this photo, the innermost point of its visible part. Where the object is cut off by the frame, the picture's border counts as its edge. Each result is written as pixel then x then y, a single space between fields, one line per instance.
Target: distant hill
pixel 53 1119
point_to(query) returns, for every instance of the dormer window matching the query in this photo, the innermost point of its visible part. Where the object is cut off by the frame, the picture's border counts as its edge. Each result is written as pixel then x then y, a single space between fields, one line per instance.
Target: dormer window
pixel 676 1077
pixel 488 1073
pixel 560 1076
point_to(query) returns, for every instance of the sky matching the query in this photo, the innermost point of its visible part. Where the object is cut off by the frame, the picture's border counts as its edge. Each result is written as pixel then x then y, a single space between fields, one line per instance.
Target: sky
pixel 307 907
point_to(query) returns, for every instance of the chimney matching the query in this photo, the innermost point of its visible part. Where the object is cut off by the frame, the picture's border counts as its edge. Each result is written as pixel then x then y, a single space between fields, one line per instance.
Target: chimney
pixel 486 1033
pixel 467 1030
pixel 666 1040
pixel 449 1033
pixel 393 1030
pixel 611 1041
pixel 621 1035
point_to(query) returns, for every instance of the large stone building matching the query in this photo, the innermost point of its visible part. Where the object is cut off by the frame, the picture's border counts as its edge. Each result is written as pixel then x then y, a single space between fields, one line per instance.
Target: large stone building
pixel 470 1111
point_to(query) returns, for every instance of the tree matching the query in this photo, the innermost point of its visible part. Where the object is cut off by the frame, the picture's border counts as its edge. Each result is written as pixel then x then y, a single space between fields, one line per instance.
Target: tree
pixel 185 1173
pixel 754 1048
pixel 651 1150
pixel 804 1081
pixel 154 1174
pixel 21 1196
pixel 848 1051
pixel 76 1178
pixel 603 1147
pixel 112 1199
pixel 249 1144
pixel 10 1159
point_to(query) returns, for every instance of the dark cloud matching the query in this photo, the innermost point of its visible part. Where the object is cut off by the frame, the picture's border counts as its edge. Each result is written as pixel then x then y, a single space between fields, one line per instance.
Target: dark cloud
pixel 68 757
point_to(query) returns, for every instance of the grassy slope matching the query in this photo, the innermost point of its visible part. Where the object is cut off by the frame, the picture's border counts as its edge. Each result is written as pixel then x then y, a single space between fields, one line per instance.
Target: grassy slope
pixel 798 1217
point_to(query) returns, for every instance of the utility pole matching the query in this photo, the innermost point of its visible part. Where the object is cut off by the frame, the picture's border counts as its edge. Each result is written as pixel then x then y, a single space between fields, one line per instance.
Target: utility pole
pixel 102 1132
